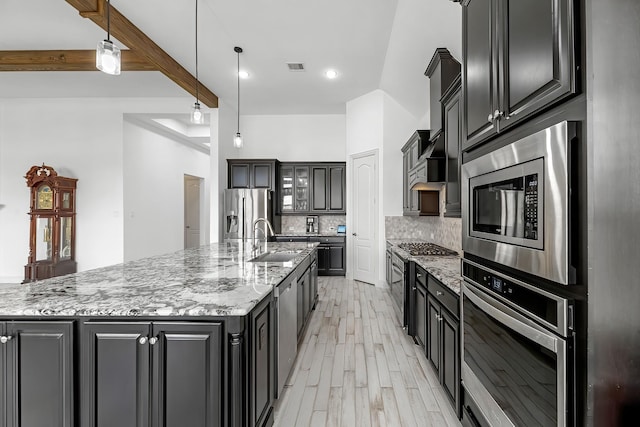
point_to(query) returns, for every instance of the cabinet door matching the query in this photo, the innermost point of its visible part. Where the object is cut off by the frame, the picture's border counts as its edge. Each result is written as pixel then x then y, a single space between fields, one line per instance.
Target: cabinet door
pixel 433 346
pixel 323 260
pixel 239 175
pixel 39 378
pixel 452 124
pixel 302 189
pixel 337 185
pixel 336 258
pixel 187 374
pixel 480 69
pixel 306 277
pixel 300 305
pixel 261 369
pixel 536 60
pixel 405 182
pixel 421 315
pixel 314 283
pixel 261 174
pixel 287 188
pixel 319 183
pixel 115 374
pixel 450 358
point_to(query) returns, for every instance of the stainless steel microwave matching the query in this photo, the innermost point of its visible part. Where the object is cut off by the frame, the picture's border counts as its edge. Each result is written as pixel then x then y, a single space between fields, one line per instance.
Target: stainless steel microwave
pixel 516 204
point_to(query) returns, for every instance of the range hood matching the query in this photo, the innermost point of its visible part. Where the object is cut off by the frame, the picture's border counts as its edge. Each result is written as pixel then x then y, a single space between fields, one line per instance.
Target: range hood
pixel 429 173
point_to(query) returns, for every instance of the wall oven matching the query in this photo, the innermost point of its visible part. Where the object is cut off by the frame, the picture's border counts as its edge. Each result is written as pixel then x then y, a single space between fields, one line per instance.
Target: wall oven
pixel 516 208
pixel 517 352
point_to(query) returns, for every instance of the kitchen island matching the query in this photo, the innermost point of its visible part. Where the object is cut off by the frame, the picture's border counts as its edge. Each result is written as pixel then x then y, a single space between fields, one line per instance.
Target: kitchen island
pixel 186 338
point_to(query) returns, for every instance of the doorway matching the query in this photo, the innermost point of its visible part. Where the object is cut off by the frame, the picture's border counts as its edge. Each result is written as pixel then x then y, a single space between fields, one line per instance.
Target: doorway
pixel 192 202
pixel 364 167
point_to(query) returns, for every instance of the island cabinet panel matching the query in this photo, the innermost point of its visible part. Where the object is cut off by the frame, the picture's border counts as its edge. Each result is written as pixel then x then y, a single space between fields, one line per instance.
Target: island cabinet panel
pixel 151 374
pixel 262 365
pixel 36 374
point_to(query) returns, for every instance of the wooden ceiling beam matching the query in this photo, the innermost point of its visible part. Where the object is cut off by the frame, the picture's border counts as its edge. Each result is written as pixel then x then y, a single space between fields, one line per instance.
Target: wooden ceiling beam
pixel 138 42
pixel 65 60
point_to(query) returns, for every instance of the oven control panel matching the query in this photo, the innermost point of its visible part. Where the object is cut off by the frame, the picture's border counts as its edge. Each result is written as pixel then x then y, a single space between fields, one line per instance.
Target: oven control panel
pixel 531 206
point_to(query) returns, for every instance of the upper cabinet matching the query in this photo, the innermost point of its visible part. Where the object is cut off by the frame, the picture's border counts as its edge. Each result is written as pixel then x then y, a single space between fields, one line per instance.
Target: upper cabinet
pixel 442 71
pixel 253 173
pixel 519 58
pixel 318 188
pixel 451 102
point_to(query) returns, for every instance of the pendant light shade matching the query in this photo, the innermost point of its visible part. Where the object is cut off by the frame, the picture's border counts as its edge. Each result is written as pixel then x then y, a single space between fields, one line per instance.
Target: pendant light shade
pixel 196 114
pixel 108 54
pixel 237 140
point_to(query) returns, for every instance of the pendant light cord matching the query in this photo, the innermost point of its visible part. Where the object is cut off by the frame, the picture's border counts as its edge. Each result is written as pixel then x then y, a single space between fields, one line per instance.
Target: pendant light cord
pixel 108 20
pixel 197 98
pixel 238 76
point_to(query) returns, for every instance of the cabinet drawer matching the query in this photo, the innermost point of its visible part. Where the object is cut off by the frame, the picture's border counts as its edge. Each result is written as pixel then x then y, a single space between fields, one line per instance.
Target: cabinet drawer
pixel 323 239
pixel 291 239
pixel 421 276
pixel 447 298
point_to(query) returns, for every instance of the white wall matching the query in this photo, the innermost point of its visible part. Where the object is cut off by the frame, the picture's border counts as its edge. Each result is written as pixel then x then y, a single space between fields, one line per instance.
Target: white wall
pixel 154 167
pixel 80 138
pixel 317 137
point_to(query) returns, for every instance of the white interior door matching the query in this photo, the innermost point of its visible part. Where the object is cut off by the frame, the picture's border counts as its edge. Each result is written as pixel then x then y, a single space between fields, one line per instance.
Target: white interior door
pixel 192 186
pixel 365 217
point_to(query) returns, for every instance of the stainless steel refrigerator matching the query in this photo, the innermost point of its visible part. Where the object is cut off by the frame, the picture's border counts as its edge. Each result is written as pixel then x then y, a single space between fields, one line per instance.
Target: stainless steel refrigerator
pixel 242 207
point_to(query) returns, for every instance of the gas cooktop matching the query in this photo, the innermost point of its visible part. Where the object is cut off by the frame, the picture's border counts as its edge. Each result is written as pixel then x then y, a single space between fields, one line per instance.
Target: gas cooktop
pixel 424 248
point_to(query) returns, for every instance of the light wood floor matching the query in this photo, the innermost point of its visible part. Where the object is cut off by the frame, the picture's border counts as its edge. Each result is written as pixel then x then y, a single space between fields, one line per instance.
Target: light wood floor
pixel 357 367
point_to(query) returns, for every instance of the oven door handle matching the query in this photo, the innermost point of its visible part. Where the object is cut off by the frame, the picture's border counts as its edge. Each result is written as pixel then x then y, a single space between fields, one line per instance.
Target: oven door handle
pixel 509 318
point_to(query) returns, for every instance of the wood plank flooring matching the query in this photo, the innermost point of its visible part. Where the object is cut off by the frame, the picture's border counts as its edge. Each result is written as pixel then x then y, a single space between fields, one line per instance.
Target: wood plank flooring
pixel 357 367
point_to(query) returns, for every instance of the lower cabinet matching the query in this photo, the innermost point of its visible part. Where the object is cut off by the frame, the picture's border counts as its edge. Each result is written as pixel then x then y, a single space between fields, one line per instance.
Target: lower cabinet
pixel 437 331
pixel 304 299
pixel 152 373
pixel 36 374
pixel 331 255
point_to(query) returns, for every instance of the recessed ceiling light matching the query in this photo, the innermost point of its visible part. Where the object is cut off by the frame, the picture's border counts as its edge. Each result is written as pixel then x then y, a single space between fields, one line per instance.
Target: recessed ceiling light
pixel 331 74
pixel 243 74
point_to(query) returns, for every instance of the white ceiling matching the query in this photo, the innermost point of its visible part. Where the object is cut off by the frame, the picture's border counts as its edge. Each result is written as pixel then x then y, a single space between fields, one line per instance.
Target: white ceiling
pixel 371 43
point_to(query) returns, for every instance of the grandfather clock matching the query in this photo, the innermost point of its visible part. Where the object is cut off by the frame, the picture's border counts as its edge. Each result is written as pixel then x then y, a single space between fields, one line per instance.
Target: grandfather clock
pixel 52 232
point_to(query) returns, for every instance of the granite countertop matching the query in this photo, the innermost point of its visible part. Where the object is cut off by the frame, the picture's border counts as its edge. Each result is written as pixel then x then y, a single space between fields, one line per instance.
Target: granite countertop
pixel 444 268
pixel 211 280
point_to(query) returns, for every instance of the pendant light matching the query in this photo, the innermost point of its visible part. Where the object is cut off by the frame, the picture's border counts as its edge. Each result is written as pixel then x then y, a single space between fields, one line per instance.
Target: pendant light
pixel 196 115
pixel 237 140
pixel 108 54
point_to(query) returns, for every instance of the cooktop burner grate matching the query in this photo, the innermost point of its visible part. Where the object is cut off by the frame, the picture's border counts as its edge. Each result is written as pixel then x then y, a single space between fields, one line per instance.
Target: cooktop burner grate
pixel 424 248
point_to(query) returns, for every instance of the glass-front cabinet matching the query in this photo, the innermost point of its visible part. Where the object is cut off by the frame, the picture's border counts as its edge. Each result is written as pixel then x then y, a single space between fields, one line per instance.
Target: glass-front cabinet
pixel 294 189
pixel 52 230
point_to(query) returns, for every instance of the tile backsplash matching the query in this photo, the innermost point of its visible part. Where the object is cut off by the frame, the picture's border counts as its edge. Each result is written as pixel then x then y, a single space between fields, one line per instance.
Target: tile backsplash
pixel 297 223
pixel 442 231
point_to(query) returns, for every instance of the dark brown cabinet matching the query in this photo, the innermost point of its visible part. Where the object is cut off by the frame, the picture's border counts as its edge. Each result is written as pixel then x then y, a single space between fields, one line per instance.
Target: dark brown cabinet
pixel 420 308
pixel 152 373
pixel 318 188
pixel 410 159
pixel 252 173
pixel 452 134
pixel 519 58
pixel 328 187
pixel 36 374
pixel 331 255
pixel 441 71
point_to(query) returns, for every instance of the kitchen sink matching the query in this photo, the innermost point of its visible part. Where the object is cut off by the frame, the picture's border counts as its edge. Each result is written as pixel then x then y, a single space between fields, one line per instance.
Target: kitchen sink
pixel 275 257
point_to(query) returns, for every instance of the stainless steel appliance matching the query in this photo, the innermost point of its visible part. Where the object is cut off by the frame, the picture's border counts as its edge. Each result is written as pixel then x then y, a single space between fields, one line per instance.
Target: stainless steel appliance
pixel 313 225
pixel 517 204
pixel 517 351
pixel 242 207
pixel 286 297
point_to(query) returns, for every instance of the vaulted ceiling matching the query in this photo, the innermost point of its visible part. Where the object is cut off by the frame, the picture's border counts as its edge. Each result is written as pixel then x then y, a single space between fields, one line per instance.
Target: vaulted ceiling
pixel 371 43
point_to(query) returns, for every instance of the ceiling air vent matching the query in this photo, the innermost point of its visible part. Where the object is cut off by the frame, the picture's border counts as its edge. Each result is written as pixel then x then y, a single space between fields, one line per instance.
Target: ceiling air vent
pixel 295 66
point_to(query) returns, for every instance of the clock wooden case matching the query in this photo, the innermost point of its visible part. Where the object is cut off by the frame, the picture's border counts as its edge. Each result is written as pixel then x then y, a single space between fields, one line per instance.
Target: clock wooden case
pixel 52 231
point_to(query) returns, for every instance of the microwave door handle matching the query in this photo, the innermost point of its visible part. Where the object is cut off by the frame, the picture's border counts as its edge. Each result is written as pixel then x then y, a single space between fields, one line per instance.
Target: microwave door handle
pixel 546 340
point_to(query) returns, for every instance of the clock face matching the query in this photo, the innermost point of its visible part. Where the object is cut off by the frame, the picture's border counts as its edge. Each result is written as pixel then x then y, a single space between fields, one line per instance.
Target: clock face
pixel 45 198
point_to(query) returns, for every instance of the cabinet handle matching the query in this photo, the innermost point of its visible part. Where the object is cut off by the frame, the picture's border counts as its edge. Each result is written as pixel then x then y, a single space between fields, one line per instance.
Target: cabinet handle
pixel 490 118
pixel 438 293
pixel 142 340
pixel 497 114
pixel 153 340
pixel 418 275
pixel 5 339
pixel 415 289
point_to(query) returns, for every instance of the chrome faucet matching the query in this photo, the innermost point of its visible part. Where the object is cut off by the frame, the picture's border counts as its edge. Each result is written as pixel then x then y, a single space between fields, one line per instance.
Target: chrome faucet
pixel 256 244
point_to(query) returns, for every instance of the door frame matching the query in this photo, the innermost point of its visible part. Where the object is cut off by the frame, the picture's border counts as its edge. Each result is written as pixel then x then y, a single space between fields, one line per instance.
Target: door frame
pixel 376 213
